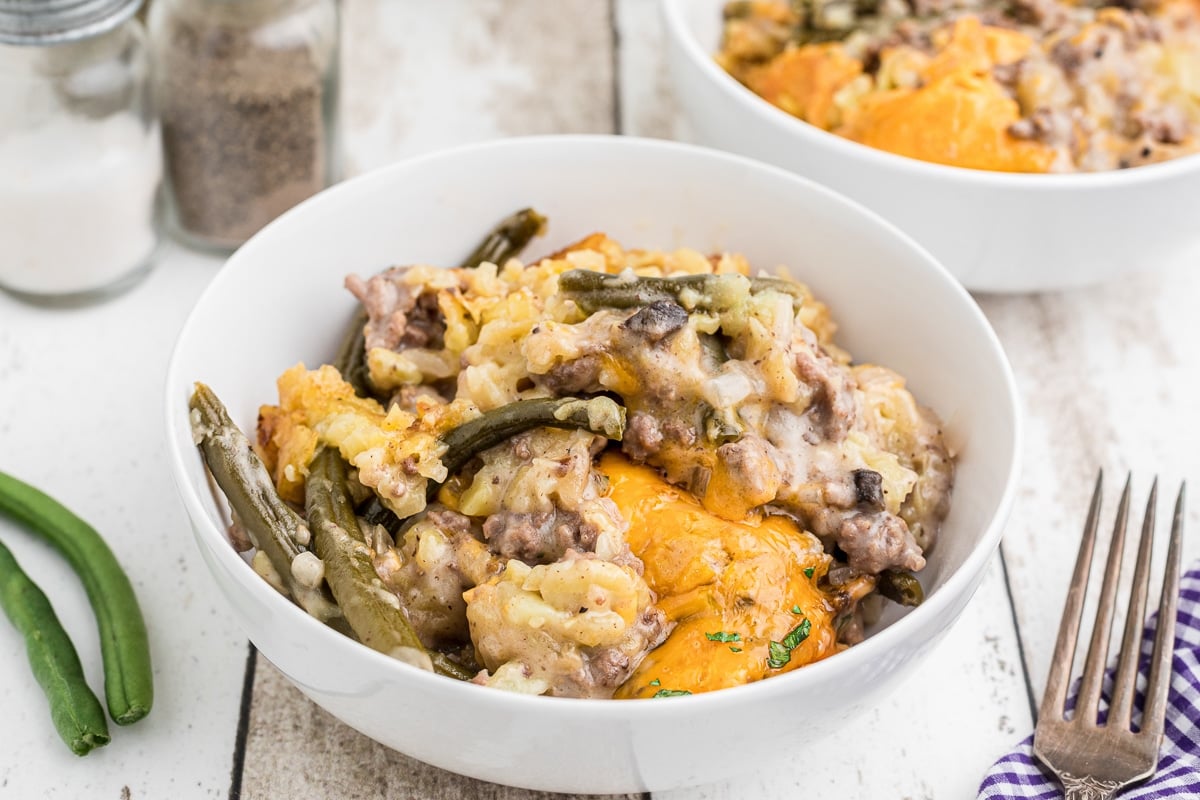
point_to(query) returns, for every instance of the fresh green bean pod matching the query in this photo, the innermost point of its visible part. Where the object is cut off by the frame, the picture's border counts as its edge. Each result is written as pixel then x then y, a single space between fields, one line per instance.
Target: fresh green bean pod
pixel 124 646
pixel 900 587
pixel 273 527
pixel 74 708
pixel 507 239
pixel 373 611
pixel 593 291
pixel 600 415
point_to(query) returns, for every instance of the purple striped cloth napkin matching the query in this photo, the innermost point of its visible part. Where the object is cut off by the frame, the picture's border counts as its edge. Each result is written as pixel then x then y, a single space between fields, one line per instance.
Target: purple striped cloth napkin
pixel 1019 775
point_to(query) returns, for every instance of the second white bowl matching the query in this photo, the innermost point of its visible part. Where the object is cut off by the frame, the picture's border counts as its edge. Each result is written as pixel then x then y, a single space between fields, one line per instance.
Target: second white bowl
pixel 994 231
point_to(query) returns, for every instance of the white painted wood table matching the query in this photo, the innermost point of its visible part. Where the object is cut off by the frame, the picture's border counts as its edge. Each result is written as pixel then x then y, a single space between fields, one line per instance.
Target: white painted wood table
pixel 1109 377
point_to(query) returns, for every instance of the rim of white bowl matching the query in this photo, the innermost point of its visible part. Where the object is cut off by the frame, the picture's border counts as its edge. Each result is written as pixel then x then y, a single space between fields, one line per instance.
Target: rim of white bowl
pixel 874 157
pixel 879 643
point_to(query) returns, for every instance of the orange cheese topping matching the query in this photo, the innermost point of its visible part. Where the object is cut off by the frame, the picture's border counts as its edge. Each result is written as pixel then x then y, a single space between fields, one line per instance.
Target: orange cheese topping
pixel 961 120
pixel 960 115
pixel 947 108
pixel 803 82
pixel 715 579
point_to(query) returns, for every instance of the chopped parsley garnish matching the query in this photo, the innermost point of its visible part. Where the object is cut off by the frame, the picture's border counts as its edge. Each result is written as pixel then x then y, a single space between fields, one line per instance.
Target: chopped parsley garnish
pixel 735 649
pixel 722 636
pixel 808 572
pixel 797 634
pixel 780 653
pixel 656 682
pixel 671 692
pixel 797 610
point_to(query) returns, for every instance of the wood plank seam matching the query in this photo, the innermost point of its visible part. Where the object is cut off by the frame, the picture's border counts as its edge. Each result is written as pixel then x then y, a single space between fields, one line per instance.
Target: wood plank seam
pixel 243 726
pixel 618 125
pixel 1012 610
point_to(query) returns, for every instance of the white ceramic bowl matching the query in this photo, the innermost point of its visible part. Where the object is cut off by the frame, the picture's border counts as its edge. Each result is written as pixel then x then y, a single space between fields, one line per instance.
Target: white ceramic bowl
pixel 993 231
pixel 279 300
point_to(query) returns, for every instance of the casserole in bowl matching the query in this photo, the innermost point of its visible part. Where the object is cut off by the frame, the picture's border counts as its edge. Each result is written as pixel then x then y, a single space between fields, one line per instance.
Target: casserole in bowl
pixel 276 302
pixel 995 231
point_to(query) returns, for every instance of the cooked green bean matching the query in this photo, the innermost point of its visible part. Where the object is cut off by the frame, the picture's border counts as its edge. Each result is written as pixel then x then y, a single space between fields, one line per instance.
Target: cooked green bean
pixel 273 527
pixel 600 415
pixel 128 677
pixel 372 611
pixel 74 709
pixel 717 429
pixel 351 359
pixel 593 291
pixel 444 665
pixel 900 587
pixel 507 239
pixel 374 512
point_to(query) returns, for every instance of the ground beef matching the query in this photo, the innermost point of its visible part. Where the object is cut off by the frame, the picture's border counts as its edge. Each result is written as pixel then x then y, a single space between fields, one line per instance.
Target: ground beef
pixel 397 316
pixel 646 435
pixel 906 33
pixel 609 667
pixel 677 430
pixel 1054 128
pixel 1007 76
pixel 449 522
pixel 387 301
pixel 572 377
pixel 928 8
pixel 1045 14
pixel 1147 6
pixel 1166 124
pixel 833 409
pixel 425 326
pixel 875 542
pixel 539 537
pixel 643 437
pixel 872 540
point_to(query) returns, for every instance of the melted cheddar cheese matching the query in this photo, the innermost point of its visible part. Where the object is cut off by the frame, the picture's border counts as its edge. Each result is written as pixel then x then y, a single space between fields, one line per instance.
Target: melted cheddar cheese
pixel 960 114
pixel 1021 86
pixel 947 109
pixel 715 578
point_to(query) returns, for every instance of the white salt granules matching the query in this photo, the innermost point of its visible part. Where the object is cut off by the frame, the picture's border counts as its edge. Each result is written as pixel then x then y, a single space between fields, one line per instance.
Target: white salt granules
pixel 77 203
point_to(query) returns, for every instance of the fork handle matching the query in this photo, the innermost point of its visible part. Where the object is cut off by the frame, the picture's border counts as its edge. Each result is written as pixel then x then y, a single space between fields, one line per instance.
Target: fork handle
pixel 1088 788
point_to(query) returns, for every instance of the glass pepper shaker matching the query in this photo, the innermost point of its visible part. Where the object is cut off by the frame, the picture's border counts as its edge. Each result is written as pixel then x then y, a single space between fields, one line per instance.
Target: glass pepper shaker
pixel 248 97
pixel 80 153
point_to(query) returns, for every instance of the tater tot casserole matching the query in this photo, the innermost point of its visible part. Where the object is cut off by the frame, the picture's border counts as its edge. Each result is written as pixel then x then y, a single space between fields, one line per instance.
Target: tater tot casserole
pixel 609 473
pixel 1029 86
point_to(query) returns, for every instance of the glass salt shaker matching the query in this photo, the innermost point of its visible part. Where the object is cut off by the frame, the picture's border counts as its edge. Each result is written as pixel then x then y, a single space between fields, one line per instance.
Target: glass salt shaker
pixel 247 91
pixel 80 152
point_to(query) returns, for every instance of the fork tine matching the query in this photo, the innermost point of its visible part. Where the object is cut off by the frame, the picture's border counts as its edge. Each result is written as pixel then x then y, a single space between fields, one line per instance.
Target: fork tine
pixel 1121 710
pixel 1164 639
pixel 1088 705
pixel 1055 697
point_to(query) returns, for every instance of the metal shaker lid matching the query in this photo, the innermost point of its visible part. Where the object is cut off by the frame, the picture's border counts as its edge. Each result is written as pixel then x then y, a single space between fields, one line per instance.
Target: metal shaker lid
pixel 54 21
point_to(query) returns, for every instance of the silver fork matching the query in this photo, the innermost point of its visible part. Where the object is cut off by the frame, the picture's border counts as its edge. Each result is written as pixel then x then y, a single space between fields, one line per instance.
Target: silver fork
pixel 1094 760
